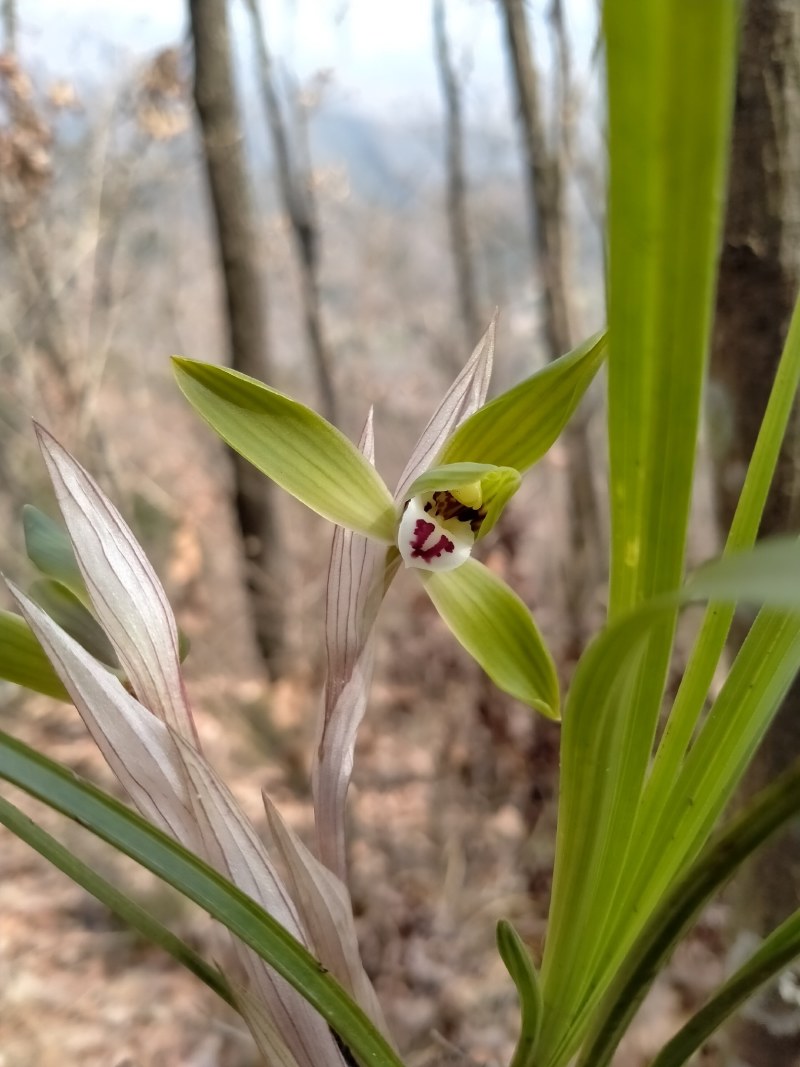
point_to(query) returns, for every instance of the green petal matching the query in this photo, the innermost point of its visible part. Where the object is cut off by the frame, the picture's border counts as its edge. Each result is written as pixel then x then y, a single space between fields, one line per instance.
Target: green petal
pixel 50 550
pixel 498 485
pixel 22 659
pixel 293 445
pixel 518 427
pixel 497 630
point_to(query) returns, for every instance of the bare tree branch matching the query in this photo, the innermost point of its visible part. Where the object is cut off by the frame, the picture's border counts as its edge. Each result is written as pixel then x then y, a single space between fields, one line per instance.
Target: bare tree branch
pixel 456 180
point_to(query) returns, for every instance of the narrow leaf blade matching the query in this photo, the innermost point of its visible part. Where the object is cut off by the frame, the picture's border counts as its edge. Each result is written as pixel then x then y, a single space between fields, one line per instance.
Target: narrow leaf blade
pixel 124 907
pixel 772 957
pixel 62 790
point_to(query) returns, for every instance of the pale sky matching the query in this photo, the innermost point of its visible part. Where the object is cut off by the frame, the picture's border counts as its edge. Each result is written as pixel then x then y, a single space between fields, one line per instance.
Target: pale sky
pixel 380 50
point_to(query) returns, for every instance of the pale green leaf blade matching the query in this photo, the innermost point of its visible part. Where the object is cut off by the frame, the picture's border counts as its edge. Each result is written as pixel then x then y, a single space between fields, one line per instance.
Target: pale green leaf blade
pixel 519 965
pixel 49 548
pixel 62 790
pixel 519 426
pixel 72 615
pixel 23 661
pixel 773 808
pixel 767 574
pixel 497 630
pixel 293 445
pixel 771 958
pixel 124 907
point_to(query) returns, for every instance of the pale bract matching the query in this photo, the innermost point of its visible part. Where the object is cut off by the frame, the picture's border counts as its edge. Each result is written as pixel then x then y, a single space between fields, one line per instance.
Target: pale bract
pixel 144 726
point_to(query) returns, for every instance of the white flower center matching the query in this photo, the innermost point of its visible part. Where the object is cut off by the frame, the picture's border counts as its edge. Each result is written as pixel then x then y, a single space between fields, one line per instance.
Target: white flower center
pixel 437 532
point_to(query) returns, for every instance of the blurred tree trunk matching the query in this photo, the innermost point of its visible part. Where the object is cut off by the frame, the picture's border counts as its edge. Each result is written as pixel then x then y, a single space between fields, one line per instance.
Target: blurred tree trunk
pixel 8 17
pixel 456 180
pixel 245 299
pixel 545 172
pixel 759 275
pixel 297 198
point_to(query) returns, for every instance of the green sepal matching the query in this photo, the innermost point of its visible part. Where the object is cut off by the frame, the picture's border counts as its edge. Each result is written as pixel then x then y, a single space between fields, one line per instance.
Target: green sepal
pixel 50 550
pixel 519 426
pixel 498 485
pixel 293 446
pixel 497 630
pixel 519 965
pixel 69 612
pixel 22 659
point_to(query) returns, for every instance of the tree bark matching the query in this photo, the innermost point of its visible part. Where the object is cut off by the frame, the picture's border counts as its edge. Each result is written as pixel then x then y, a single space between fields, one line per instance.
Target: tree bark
pixel 759 275
pixel 545 171
pixel 245 302
pixel 297 199
pixel 456 178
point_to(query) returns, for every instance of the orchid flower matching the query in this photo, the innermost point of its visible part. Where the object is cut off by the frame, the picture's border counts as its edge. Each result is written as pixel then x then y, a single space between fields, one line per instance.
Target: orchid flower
pixel 146 732
pixel 450 496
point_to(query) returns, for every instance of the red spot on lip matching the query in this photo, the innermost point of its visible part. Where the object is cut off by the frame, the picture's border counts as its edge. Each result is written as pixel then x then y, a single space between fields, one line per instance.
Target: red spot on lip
pixel 422 531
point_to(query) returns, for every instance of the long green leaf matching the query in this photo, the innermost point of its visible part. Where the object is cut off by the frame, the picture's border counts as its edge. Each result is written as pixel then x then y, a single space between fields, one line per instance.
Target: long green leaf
pixel 62 790
pixel 126 909
pixel 22 660
pixel 771 958
pixel 771 810
pixel 519 426
pixel 496 628
pixel 293 445
pixel 670 81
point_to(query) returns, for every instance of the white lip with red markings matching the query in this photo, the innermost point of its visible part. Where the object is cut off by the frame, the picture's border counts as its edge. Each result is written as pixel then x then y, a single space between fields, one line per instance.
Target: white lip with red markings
pixel 430 538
